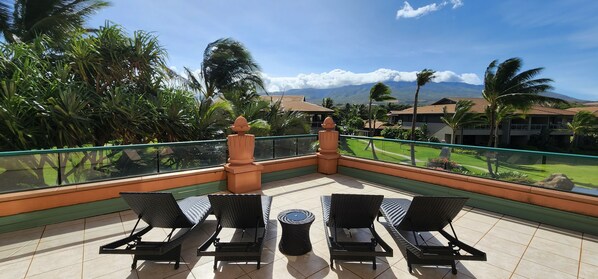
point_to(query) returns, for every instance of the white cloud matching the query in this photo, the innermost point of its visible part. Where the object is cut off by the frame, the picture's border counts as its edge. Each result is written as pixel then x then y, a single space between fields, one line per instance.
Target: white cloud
pixel 456 3
pixel 409 12
pixel 338 78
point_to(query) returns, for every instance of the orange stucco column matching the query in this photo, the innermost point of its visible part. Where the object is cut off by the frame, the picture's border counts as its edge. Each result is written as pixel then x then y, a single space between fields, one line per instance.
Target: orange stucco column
pixel 328 151
pixel 243 175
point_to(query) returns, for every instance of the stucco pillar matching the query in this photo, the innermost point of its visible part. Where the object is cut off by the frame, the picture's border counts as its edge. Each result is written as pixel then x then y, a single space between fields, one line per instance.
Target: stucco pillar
pixel 328 151
pixel 243 175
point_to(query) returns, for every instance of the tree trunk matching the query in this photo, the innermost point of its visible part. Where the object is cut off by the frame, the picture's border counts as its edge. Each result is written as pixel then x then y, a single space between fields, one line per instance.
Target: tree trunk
pixel 370 143
pixel 413 122
pixel 453 136
pixel 491 122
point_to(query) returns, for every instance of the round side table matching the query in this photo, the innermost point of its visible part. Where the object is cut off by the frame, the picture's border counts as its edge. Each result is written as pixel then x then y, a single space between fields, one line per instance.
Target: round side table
pixel 295 225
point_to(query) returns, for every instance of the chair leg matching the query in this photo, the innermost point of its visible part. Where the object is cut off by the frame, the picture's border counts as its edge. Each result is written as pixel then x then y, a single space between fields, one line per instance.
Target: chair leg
pixel 454 267
pixel 258 264
pixel 331 262
pixel 374 263
pixel 215 264
pixel 134 264
pixel 176 264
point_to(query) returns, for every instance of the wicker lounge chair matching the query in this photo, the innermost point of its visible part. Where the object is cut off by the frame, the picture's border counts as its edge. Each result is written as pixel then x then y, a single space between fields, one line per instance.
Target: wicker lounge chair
pixel 240 212
pixel 425 214
pixel 159 210
pixel 346 211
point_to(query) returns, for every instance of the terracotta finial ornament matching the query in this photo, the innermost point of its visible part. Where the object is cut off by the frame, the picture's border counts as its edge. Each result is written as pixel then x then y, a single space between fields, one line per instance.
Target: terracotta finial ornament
pixel 240 126
pixel 328 123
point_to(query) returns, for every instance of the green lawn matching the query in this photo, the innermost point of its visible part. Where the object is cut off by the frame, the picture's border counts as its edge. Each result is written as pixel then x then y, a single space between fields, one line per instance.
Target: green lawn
pixel 583 173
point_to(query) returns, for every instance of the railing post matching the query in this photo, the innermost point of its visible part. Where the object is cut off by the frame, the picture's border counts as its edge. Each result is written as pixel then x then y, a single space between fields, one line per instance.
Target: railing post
pixel 243 175
pixel 328 151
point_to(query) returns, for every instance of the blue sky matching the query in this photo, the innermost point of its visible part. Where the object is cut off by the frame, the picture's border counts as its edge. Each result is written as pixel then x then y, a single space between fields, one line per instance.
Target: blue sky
pixel 315 43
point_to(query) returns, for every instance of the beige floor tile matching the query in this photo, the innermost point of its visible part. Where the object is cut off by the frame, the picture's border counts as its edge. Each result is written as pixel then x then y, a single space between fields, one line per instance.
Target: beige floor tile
pixel 473 224
pixel 15 269
pixel 363 269
pixel 517 225
pixel 590 242
pixel 17 254
pixel 588 271
pixel 278 269
pixel 46 262
pixel 502 260
pixel 224 270
pixel 106 265
pixel 491 243
pixel 268 257
pixel 309 263
pixel 555 247
pixel 483 216
pixel 507 234
pixel 70 271
pixel 476 269
pixel 533 270
pixel 589 256
pixel 123 273
pixel 552 260
pixel 151 269
pixel 21 238
pixel 559 235
pixel 330 273
pixel 423 271
pixel 395 272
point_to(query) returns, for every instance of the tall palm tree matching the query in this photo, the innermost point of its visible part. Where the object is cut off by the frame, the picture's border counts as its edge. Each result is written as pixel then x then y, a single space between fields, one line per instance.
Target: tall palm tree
pixel 226 65
pixel 461 117
pixel 423 77
pixel 505 85
pixel 379 92
pixel 28 19
pixel 583 121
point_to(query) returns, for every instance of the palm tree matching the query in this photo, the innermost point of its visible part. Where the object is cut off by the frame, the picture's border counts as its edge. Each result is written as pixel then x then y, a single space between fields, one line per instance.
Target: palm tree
pixel 423 77
pixel 29 19
pixel 461 117
pixel 505 85
pixel 379 92
pixel 226 65
pixel 583 121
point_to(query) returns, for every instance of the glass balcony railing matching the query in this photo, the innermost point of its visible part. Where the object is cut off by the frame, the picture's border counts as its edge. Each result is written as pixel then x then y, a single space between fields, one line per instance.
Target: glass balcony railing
pixel 268 148
pixel 28 170
pixel 36 169
pixel 559 171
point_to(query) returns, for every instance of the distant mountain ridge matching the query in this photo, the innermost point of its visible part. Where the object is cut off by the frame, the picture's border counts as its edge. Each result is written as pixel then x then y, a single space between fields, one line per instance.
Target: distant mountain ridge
pixel 401 90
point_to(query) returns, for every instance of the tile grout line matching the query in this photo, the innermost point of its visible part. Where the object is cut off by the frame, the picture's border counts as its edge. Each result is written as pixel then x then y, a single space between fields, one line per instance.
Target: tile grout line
pixel 35 251
pixel 580 254
pixel 524 251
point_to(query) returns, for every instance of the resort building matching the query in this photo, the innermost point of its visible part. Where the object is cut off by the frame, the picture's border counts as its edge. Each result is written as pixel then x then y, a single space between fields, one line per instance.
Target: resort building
pixel 517 130
pixel 316 113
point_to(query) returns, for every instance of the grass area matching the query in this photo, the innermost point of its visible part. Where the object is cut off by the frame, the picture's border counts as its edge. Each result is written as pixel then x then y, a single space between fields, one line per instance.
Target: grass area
pixel 582 172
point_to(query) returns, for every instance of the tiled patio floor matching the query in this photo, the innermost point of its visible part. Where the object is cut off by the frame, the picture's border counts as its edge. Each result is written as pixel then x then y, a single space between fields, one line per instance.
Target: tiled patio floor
pixel 515 248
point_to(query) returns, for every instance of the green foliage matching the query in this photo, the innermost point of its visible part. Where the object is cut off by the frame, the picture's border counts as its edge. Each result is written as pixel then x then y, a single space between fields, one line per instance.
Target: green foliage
pixel 583 123
pixel 392 132
pixel 506 88
pixel 461 117
pixel 24 21
pixel 327 103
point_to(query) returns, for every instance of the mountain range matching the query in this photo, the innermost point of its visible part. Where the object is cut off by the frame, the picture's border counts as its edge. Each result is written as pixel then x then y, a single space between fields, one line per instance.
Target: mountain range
pixel 403 91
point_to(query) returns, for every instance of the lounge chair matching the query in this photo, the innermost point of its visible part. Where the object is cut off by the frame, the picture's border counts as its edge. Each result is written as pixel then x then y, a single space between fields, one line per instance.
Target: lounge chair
pixel 425 214
pixel 346 211
pixel 159 210
pixel 239 212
